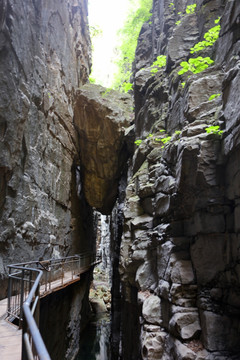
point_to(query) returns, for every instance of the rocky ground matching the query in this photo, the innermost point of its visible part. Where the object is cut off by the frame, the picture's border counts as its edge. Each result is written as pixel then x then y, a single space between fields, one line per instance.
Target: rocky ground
pixel 100 292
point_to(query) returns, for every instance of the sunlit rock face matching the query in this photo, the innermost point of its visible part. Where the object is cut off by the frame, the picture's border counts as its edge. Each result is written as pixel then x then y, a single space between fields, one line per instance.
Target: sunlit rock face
pixel 180 243
pixel 103 121
pixel 44 58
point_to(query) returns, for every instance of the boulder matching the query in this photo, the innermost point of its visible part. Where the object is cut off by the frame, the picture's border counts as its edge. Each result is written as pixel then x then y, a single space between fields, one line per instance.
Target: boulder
pixel 182 272
pixel 102 119
pixel 183 352
pixel 151 310
pixel 98 305
pixel 145 276
pixel 153 343
pixel 185 325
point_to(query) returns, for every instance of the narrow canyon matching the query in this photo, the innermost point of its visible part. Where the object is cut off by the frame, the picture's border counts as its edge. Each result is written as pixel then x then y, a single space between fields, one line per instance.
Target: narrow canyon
pixel 160 163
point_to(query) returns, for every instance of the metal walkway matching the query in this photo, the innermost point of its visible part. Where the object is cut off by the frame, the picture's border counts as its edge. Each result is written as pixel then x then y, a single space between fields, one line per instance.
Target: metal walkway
pixel 29 282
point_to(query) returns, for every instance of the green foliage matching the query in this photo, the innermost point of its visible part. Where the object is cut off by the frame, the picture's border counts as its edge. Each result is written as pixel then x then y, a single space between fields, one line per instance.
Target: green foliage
pixel 195 65
pixel 171 6
pixel 210 37
pixel 166 139
pixel 160 62
pixel 138 15
pixel 127 86
pixel 183 84
pixel 178 132
pixel 138 142
pixel 106 92
pixel 95 30
pixel 191 9
pixel 214 130
pixel 213 96
pixel 163 140
pixel 92 80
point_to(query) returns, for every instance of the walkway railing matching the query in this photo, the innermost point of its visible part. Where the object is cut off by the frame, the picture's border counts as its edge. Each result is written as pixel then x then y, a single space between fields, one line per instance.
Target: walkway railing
pixel 27 282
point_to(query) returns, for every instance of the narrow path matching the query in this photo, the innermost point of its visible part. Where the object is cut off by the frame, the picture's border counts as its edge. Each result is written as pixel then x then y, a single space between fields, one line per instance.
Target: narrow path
pixel 10 335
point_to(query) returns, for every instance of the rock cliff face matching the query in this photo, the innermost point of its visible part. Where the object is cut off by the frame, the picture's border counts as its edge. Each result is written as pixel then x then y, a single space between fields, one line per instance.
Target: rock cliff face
pixel 44 58
pixel 179 261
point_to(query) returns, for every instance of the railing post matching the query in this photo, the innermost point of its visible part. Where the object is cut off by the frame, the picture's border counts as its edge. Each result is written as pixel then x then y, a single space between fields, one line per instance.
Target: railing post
pixel 24 330
pixel 9 291
pixel 30 281
pixel 62 270
pixel 21 299
pixel 36 316
pixel 50 277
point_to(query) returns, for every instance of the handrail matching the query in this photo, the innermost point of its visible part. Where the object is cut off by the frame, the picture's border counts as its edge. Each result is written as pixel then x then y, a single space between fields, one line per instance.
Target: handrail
pixel 31 335
pixel 24 295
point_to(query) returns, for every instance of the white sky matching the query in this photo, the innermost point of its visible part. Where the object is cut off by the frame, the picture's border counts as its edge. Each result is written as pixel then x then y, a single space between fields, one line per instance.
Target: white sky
pixel 109 15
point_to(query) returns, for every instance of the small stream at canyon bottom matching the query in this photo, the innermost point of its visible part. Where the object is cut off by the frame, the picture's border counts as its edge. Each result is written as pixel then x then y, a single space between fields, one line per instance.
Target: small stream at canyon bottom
pixel 95 340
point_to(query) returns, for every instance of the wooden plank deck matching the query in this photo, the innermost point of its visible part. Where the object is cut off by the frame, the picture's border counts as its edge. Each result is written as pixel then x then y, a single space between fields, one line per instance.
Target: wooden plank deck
pixel 10 335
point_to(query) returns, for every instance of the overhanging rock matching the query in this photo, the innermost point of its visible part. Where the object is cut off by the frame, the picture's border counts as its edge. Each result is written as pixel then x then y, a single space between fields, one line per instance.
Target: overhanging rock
pixel 103 121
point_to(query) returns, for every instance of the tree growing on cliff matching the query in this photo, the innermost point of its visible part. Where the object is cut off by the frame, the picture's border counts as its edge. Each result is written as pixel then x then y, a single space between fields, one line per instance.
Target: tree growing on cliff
pixel 139 13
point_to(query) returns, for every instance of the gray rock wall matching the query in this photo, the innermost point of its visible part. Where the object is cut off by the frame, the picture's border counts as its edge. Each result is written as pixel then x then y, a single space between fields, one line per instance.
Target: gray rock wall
pixel 44 58
pixel 180 243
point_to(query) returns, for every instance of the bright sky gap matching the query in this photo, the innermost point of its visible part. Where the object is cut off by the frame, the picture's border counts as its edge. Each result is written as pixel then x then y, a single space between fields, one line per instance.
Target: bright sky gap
pixel 109 16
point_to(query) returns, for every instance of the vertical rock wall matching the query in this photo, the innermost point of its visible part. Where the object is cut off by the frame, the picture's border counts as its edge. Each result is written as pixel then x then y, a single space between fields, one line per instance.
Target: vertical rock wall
pixel 179 260
pixel 44 58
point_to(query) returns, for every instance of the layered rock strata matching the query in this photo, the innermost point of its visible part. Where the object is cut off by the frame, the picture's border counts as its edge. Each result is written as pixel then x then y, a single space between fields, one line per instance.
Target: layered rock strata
pixel 179 261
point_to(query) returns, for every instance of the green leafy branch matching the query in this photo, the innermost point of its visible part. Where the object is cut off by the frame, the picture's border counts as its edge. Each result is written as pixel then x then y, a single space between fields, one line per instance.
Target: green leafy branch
pixel 159 63
pixel 138 142
pixel 128 37
pixel 214 130
pixel 213 96
pixel 210 37
pixel 127 86
pixel 195 65
pixel 190 9
pixel 164 140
